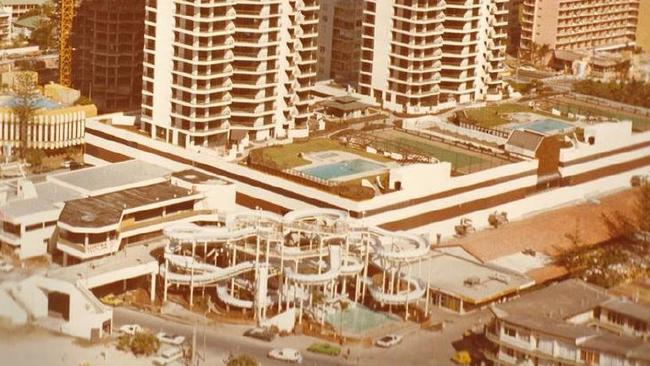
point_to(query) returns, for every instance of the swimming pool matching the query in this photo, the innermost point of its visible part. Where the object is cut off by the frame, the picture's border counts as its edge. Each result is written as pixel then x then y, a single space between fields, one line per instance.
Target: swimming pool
pixel 357 320
pixel 39 102
pixel 342 169
pixel 548 126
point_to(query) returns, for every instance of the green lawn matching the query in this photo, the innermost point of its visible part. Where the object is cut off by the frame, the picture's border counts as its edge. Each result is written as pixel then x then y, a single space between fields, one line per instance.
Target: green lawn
pixel 424 147
pixel 496 115
pixel 286 156
pixel 638 122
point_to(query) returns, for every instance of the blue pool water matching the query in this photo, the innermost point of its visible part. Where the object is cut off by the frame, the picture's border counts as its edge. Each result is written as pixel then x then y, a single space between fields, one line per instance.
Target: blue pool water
pixel 39 103
pixel 547 126
pixel 342 168
pixel 357 320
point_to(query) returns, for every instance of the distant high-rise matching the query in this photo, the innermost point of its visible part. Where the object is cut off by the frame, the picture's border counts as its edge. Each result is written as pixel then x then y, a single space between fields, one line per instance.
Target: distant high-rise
pixel 107 41
pixel 643 28
pixel 339 40
pixel 418 55
pixel 579 24
pixel 214 66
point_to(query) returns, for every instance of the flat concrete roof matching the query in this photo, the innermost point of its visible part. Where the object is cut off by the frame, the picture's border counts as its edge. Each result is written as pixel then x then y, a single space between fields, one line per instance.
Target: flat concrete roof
pixel 197 177
pixel 106 209
pixel 129 263
pixel 449 274
pixel 48 194
pixel 111 177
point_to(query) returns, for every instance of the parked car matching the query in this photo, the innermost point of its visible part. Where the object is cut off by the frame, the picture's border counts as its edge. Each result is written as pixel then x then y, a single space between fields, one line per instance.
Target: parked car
pixel 462 358
pixel 130 329
pixel 5 266
pixel 264 334
pixel 286 354
pixel 388 341
pixel 168 355
pixel 174 339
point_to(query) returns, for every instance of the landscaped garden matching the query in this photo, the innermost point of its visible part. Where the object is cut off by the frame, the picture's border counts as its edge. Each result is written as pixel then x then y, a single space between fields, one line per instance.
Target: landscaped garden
pixel 498 114
pixel 283 157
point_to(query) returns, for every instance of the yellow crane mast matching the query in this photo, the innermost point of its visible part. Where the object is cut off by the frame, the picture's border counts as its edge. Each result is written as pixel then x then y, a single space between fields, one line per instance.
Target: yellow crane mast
pixel 65 48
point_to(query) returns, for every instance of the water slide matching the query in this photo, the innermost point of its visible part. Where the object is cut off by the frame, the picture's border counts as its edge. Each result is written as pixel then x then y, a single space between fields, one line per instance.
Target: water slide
pixel 333 271
pixel 188 232
pixel 204 274
pixel 416 246
pixel 416 291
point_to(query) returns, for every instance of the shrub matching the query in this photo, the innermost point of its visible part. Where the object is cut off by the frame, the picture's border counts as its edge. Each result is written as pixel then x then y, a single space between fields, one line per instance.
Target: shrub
pixel 140 344
pixel 144 344
pixel 242 360
pixel 124 342
pixel 356 192
pixel 325 349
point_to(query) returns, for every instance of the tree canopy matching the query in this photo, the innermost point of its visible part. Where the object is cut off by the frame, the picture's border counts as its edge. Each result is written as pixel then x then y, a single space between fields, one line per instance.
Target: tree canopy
pixel 632 92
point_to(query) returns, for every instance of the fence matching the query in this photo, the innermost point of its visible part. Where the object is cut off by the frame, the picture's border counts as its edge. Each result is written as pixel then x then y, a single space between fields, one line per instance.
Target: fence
pixel 627 108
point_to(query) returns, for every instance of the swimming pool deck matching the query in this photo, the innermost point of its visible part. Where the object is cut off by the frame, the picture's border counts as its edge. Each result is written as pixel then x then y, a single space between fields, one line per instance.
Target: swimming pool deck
pixel 331 157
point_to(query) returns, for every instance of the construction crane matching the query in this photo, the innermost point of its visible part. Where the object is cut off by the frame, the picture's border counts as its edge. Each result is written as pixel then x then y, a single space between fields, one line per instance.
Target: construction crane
pixel 65 48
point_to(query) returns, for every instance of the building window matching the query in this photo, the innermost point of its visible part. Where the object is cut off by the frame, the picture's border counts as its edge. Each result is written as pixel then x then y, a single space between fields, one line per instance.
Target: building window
pixel 615 318
pixel 590 358
pixel 511 332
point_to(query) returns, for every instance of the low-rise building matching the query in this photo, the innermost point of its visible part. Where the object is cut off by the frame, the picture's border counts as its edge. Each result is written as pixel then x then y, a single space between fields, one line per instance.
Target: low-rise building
pixel 30 211
pixel 20 7
pixel 29 217
pixel 624 317
pixel 57 123
pixel 559 324
pixel 462 285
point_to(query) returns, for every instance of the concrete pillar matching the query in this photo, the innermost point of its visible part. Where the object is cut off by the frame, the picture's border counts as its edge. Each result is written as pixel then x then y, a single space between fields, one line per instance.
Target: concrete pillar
pixel 152 291
pixel 165 283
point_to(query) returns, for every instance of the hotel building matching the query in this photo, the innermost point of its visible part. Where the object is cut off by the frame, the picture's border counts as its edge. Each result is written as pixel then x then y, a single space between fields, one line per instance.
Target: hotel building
pixel 420 55
pixel 107 43
pixel 579 24
pixel 211 67
pixel 339 41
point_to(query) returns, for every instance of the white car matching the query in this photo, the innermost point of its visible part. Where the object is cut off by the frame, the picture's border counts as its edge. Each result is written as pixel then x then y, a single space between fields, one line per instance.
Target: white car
pixel 389 340
pixel 5 266
pixel 286 354
pixel 130 329
pixel 174 339
pixel 168 355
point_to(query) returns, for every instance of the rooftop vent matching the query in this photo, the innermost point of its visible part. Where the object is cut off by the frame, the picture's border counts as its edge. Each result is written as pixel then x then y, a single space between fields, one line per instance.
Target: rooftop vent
pixel 472 281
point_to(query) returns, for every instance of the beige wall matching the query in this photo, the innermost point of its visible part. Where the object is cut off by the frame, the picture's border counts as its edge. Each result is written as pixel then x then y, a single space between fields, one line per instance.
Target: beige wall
pixel 545 30
pixel 643 29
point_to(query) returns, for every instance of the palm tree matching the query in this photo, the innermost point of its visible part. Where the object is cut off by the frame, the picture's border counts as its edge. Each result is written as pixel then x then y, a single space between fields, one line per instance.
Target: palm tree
pixel 24 106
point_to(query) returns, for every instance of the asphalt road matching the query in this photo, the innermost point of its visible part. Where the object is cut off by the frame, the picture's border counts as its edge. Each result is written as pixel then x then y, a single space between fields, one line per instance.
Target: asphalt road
pixel 220 340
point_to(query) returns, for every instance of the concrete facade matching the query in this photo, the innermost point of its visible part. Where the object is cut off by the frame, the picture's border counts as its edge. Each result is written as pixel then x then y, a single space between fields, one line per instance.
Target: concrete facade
pixel 420 56
pixel 228 65
pixel 579 24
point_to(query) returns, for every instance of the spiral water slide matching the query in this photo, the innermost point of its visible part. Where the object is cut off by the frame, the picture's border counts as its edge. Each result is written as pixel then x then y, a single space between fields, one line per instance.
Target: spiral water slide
pixel 398 247
pixel 416 291
pixel 201 274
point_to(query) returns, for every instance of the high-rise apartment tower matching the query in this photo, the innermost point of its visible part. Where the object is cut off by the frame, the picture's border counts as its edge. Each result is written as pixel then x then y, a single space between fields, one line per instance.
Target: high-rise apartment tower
pixel 214 66
pixel 107 42
pixel 579 24
pixel 421 55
